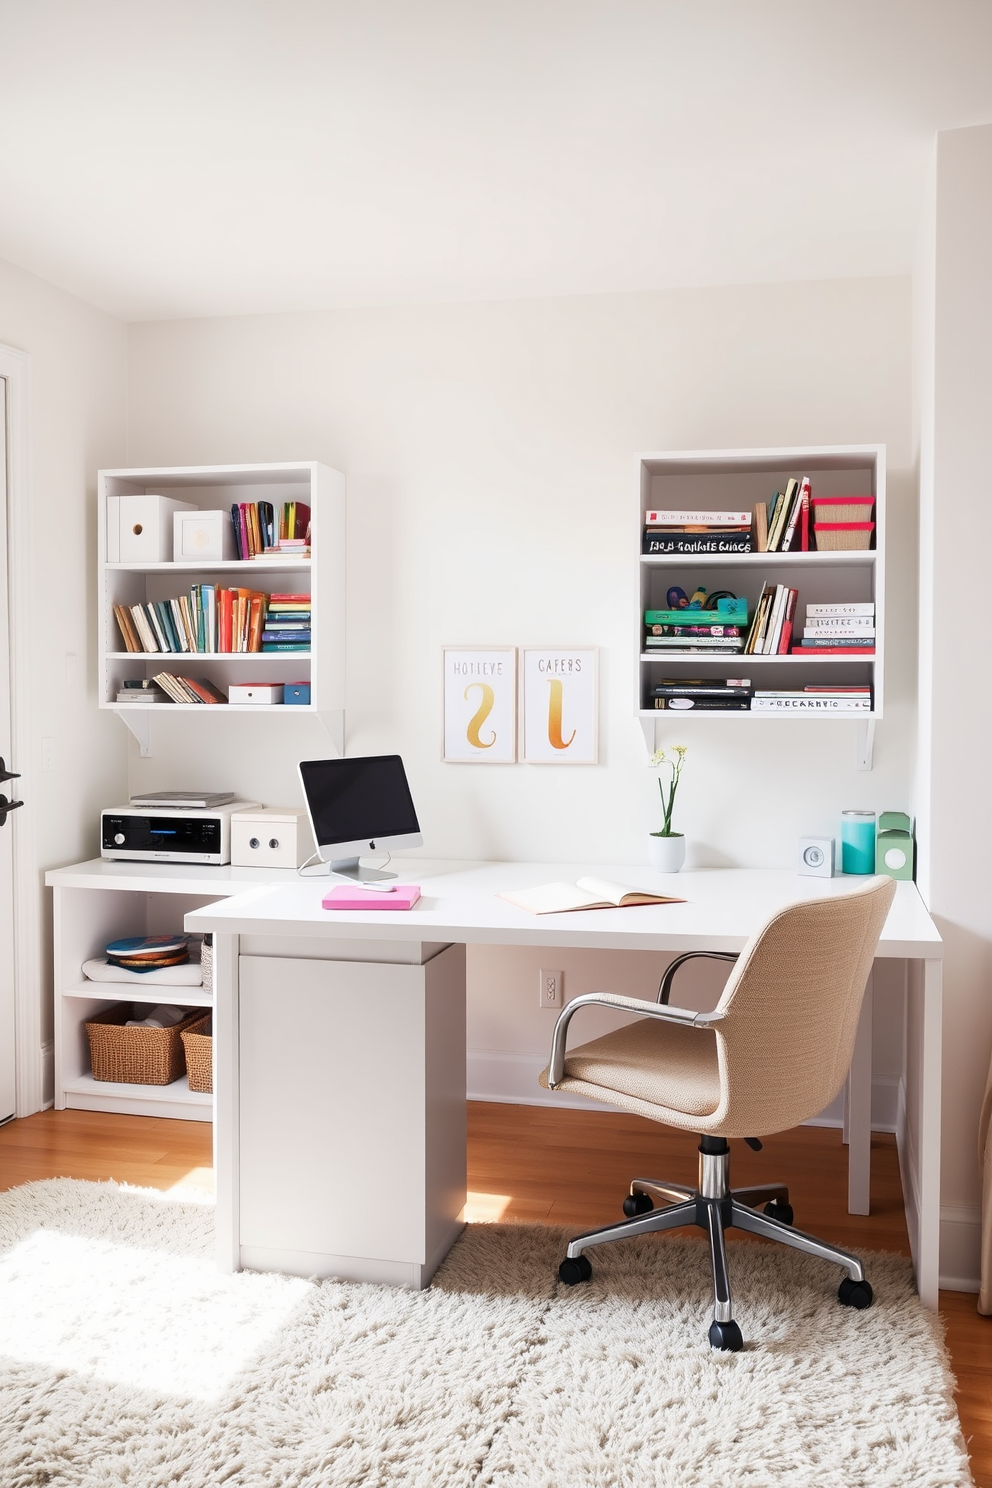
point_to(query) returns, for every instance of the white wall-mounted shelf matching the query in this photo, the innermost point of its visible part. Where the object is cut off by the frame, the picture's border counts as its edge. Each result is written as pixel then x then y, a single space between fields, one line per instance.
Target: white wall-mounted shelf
pixel 708 480
pixel 322 576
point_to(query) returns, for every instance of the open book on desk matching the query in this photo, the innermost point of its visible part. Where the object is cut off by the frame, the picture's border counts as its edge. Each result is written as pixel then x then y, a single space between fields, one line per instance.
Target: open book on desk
pixel 585 893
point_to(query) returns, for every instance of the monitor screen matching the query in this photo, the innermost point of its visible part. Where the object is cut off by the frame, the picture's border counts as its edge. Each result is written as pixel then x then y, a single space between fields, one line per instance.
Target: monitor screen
pixel 358 801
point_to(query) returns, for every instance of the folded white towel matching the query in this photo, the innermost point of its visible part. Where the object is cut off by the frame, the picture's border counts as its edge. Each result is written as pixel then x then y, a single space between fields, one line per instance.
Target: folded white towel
pixel 162 1016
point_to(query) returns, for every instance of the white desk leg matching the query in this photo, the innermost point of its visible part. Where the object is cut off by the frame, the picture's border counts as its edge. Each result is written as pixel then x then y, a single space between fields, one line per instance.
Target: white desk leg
pixel 926 1249
pixel 858 1113
pixel 226 1101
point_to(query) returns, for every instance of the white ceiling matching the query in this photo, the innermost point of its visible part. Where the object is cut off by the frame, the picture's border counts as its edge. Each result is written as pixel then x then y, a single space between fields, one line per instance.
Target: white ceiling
pixel 172 158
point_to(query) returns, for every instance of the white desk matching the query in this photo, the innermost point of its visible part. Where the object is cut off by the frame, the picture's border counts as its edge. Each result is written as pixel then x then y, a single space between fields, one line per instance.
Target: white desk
pixel 340 1052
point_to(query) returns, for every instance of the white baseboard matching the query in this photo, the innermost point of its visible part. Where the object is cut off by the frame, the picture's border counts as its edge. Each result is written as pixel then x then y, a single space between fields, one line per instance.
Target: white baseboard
pixel 511 1080
pixel 960 1247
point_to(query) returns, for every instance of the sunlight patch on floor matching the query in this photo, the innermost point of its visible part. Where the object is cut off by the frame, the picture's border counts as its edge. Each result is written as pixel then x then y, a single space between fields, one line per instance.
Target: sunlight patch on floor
pixel 485 1208
pixel 103 1309
pixel 195 1178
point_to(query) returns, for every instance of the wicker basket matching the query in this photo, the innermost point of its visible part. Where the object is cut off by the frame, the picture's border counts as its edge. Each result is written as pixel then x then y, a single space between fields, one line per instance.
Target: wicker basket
pixel 136 1056
pixel 842 508
pixel 199 1045
pixel 835 537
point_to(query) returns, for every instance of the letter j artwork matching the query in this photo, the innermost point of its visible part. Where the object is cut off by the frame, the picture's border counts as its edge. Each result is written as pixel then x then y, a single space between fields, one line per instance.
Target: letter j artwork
pixel 560 705
pixel 480 705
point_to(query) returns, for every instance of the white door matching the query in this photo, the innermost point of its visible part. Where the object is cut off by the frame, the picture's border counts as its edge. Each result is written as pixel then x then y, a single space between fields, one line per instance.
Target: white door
pixel 8 792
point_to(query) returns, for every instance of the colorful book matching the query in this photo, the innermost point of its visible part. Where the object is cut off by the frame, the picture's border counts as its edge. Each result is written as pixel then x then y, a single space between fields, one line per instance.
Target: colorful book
pixel 702 705
pixel 662 544
pixel 697 518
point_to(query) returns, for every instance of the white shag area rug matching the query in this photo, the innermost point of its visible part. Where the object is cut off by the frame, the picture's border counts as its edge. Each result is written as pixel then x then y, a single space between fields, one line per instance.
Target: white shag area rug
pixel 127 1359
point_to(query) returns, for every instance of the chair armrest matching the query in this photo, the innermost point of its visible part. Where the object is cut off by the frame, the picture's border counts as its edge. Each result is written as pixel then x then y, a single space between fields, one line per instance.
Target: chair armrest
pixel 665 985
pixel 556 1064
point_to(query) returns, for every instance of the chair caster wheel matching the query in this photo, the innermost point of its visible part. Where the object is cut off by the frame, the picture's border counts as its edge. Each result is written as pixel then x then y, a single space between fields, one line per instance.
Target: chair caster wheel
pixel 572 1271
pixel 638 1203
pixel 726 1336
pixel 780 1210
pixel 855 1293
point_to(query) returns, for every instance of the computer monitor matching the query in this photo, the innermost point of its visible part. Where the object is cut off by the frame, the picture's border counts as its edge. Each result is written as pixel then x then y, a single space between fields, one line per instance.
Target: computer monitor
pixel 358 806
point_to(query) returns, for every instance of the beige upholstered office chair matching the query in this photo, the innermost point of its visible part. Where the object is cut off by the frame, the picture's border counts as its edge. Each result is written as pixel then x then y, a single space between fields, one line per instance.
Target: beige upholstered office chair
pixel 773 1052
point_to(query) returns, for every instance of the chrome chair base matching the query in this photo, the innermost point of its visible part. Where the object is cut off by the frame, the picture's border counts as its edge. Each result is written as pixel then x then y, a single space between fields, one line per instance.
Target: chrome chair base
pixel 715 1207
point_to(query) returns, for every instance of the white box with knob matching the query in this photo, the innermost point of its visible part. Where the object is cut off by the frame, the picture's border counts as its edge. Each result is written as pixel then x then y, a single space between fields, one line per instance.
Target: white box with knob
pixel 270 837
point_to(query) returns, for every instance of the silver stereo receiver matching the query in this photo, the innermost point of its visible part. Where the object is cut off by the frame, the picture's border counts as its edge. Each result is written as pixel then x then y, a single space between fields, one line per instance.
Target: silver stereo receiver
pixel 177 834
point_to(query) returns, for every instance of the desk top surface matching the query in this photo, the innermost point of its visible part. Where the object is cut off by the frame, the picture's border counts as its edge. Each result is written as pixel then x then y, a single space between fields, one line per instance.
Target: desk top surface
pixel 459 903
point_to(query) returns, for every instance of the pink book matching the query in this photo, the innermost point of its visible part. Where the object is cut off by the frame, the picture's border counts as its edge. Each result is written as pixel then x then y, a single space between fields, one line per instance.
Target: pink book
pixel 400 896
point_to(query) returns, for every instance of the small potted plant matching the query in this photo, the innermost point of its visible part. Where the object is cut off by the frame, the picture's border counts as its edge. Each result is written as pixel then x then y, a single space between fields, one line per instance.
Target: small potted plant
pixel 666 849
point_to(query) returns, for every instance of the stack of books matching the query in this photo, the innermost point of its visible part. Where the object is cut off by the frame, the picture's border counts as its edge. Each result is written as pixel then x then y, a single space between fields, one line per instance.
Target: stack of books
pixel 696 532
pixel 208 619
pixel 287 623
pixel 287 547
pixel 771 628
pixel 782 524
pixel 813 700
pixel 700 694
pixel 838 629
pixel 719 631
pixel 189 689
pixel 141 690
pixel 260 528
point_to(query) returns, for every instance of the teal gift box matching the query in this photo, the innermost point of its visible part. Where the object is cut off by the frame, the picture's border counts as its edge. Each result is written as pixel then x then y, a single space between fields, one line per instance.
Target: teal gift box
pixel 895 850
pixel 297 692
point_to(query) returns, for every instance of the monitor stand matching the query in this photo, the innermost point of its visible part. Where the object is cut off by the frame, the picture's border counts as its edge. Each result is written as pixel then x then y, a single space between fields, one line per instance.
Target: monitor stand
pixel 351 869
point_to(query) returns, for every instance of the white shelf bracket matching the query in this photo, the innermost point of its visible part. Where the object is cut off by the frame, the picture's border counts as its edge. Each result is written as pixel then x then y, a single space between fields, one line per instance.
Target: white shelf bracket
pixel 647 728
pixel 865 743
pixel 140 724
pixel 333 724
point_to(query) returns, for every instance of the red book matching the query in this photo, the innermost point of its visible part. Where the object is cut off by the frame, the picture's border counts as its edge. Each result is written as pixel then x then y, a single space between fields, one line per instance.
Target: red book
pixel 289 599
pixel 205 691
pixel 833 651
pixel 790 610
pixel 226 617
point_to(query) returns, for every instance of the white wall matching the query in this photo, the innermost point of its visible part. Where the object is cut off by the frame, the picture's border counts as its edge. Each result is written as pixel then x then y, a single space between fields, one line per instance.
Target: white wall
pixel 78 401
pixel 489 451
pixel 956 717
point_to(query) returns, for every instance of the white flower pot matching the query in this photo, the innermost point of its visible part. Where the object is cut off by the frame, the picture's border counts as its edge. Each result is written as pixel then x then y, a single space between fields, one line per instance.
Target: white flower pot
pixel 666 854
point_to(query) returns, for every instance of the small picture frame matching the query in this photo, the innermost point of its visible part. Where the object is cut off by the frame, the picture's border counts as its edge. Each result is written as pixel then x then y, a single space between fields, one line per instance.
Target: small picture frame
pixel 480 705
pixel 560 705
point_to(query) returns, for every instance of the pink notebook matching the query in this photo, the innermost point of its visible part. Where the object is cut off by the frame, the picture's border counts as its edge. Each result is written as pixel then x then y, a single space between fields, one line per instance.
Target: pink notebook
pixel 403 896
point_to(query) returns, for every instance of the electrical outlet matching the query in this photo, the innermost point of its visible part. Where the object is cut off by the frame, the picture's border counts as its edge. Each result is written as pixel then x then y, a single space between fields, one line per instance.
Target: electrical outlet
pixel 551 989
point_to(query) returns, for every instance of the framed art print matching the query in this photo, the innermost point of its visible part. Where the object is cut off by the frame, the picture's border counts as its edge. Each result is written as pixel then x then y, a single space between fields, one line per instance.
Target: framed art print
pixel 480 705
pixel 561 705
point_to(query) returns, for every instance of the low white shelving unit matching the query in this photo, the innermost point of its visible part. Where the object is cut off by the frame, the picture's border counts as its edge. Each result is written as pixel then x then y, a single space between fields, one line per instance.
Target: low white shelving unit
pixel 217 488
pixel 99 901
pixel 716 480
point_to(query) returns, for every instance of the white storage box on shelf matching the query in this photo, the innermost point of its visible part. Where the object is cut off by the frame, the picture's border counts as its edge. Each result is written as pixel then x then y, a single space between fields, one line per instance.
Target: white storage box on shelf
pixel 270 837
pixel 199 536
pixel 204 494
pixel 140 527
pixel 255 694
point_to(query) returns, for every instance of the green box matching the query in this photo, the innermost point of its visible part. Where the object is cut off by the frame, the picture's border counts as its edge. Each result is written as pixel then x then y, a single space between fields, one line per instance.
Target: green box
pixel 895 850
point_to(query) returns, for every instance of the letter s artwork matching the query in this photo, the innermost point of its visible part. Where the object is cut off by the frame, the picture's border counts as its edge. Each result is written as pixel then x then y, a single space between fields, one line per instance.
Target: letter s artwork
pixel 479 717
pixel 480 705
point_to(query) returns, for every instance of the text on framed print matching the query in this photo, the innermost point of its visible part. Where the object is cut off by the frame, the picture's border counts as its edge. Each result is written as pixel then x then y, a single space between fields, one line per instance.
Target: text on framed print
pixel 480 705
pixel 561 705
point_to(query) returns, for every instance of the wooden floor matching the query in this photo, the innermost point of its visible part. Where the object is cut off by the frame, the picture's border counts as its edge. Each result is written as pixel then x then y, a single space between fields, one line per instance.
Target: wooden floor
pixel 537 1165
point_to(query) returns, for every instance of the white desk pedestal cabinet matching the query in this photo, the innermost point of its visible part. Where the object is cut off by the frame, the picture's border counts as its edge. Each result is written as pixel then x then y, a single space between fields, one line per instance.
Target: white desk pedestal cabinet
pixel 340 1119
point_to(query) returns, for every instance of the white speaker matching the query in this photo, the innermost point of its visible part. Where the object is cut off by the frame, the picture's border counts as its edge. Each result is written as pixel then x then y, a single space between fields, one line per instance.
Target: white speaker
pixel 816 857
